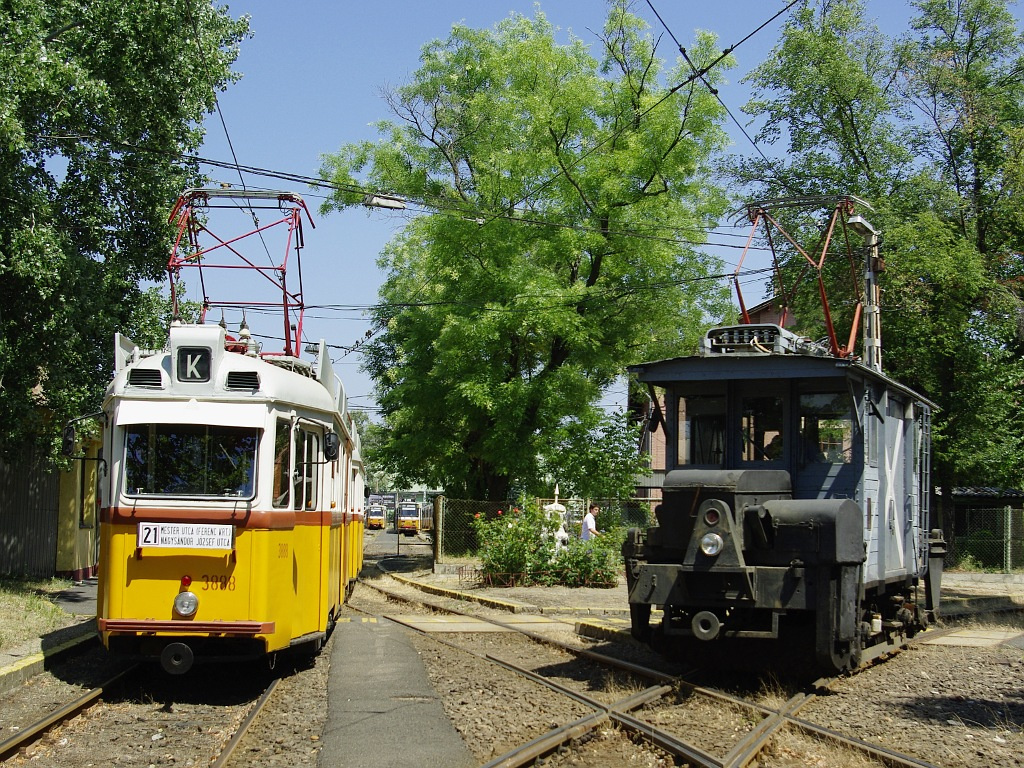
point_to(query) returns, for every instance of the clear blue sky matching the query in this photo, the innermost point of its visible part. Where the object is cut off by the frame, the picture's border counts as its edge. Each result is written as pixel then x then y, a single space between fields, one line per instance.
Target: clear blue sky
pixel 312 78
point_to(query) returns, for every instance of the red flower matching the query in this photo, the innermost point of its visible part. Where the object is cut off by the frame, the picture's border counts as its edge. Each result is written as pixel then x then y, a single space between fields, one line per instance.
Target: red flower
pixel 499 511
pixel 477 515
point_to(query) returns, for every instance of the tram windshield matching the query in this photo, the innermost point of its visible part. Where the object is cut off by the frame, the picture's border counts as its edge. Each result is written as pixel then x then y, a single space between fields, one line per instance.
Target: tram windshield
pixel 190 460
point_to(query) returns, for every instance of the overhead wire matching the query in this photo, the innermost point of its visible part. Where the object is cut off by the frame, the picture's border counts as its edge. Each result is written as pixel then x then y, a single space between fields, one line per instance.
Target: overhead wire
pixel 714 91
pixel 426 205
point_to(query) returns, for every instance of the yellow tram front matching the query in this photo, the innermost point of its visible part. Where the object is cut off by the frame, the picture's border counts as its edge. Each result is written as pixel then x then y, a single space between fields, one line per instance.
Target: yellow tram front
pixel 407 518
pixel 375 517
pixel 231 483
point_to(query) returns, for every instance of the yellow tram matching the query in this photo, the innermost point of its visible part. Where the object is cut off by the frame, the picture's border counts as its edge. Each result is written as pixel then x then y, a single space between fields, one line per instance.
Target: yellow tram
pixel 407 518
pixel 231 521
pixel 376 517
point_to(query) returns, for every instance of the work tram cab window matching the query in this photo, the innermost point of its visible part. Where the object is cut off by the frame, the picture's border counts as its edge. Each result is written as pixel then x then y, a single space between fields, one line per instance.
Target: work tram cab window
pixel 701 430
pixel 190 460
pixel 302 445
pixel 826 429
pixel 762 433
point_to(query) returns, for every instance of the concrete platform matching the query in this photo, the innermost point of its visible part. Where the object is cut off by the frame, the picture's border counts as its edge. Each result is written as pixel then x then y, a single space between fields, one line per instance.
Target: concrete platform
pixel 978 638
pixel 19 664
pixel 442 624
pixel 382 709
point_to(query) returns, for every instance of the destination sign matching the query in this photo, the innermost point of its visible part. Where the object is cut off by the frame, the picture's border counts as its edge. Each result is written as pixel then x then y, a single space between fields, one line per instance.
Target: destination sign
pixel 186 535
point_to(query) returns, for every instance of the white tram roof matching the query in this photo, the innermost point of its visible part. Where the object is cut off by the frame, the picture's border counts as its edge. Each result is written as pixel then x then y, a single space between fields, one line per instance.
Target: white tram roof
pixel 210 381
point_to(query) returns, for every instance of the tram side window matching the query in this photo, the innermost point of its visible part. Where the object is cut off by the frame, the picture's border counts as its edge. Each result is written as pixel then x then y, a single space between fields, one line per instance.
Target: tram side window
pixel 282 462
pixel 701 430
pixel 190 460
pixel 826 429
pixel 762 437
pixel 307 469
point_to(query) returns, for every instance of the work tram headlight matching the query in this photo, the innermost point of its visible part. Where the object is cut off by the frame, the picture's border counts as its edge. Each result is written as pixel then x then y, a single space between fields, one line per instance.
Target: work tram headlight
pixel 711 544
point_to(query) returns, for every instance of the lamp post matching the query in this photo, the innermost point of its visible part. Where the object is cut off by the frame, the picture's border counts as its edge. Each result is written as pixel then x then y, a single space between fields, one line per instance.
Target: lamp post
pixel 872 319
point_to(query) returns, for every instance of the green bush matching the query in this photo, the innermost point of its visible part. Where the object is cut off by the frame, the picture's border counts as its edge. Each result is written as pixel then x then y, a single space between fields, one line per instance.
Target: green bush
pixel 517 548
pixel 594 563
pixel 969 563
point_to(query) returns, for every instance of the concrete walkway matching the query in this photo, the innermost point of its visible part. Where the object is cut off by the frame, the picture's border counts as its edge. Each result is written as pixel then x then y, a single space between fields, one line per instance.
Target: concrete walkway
pixel 382 709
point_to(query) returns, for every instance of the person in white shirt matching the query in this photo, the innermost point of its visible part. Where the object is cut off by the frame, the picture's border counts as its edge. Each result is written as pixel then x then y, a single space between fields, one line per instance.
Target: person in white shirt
pixel 590 523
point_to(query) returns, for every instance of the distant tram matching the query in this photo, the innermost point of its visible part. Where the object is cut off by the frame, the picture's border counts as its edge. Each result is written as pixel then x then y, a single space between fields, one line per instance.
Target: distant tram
pixel 376 517
pixel 414 516
pixel 407 518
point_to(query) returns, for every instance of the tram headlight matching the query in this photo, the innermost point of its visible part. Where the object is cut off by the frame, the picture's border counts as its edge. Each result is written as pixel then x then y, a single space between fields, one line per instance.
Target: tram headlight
pixel 711 544
pixel 185 603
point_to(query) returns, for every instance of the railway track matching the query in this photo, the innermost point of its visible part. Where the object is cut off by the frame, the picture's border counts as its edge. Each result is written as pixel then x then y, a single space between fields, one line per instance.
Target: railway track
pixel 138 709
pixel 34 731
pixel 668 710
pixel 228 752
pixel 770 721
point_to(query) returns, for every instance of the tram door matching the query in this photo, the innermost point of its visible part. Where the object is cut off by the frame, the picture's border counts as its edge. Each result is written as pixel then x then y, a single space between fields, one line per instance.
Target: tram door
pixel 896 502
pixel 297 468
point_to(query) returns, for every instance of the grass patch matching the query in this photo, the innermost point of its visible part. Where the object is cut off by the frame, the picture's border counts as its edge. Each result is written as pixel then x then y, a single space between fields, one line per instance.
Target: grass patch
pixel 27 610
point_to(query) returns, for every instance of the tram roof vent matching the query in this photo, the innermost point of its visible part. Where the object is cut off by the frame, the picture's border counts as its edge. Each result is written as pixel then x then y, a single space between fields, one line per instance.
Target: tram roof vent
pixel 145 377
pixel 763 339
pixel 247 380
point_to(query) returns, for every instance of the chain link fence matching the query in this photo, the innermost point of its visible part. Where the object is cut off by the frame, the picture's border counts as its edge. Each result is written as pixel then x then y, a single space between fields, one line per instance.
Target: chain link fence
pixel 984 539
pixel 988 540
pixel 455 539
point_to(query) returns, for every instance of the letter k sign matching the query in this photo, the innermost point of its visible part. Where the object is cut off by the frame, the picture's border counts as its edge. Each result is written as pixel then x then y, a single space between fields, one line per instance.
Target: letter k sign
pixel 193 364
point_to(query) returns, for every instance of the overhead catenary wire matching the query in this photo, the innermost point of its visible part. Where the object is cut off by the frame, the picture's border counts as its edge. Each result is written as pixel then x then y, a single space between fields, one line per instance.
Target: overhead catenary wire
pixel 714 91
pixel 425 205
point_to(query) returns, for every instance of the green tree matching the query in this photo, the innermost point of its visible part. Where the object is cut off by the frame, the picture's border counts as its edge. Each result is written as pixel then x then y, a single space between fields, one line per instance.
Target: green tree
pixel 99 100
pixel 925 128
pixel 595 459
pixel 371 436
pixel 963 80
pixel 527 288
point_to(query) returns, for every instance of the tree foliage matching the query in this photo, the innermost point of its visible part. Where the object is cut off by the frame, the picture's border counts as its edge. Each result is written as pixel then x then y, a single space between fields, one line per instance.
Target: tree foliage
pixel 522 295
pixel 597 459
pixel 99 100
pixel 928 128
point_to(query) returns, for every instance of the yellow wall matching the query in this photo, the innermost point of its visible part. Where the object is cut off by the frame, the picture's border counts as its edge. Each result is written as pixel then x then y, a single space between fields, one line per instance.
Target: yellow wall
pixel 76 517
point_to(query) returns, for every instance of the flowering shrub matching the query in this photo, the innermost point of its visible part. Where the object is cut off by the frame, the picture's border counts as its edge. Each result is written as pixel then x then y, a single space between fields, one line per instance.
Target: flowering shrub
pixel 594 563
pixel 513 547
pixel 517 547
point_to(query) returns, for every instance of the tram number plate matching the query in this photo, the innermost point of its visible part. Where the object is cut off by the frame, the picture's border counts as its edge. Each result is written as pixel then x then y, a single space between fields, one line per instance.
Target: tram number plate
pixel 186 535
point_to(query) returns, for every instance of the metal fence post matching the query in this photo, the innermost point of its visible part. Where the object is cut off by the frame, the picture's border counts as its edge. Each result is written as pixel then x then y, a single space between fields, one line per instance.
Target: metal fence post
pixel 439 529
pixel 1007 539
